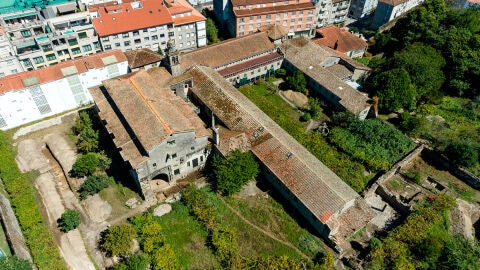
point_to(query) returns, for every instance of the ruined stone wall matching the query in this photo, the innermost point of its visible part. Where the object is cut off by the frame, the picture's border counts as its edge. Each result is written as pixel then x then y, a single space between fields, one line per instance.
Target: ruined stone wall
pixel 393 200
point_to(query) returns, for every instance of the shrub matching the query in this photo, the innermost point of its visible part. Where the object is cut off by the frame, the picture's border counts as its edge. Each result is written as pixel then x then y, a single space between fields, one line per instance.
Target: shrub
pixel 134 262
pixel 164 258
pixel 87 164
pixel 305 117
pixel 233 172
pixel 298 81
pixel 463 154
pixel 87 136
pixel 119 239
pixel 200 205
pixel 280 72
pixel 14 263
pixel 315 108
pixel 69 220
pixel 225 245
pixel 94 184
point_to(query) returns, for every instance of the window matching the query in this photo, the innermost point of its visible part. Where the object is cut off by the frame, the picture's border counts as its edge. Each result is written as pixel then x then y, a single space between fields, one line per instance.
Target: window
pixel 154 37
pixel 259 24
pixel 82 35
pixel 26 33
pixel 240 27
pixel 176 172
pixel 47 48
pixel 146 38
pixel 292 20
pixel 87 48
pixel 300 12
pixel 278 16
pixel 174 155
pixel 242 20
pixel 72 42
pixel 171 34
pixel 137 41
pixel 117 44
pixel 13 71
pixel 105 39
pixel 195 162
pixel 201 158
pixel 162 35
pixel 126 43
pixel 192 148
pixel 171 142
pixel 268 16
pixel 293 13
pixel 38 60
pixel 115 36
pixel 145 30
pixel 125 35
pixel 154 164
pixel 136 33
pixel 188 162
pixel 96 45
pixel 251 18
pixel 76 51
pixel 259 17
pixel 51 57
pixel 26 62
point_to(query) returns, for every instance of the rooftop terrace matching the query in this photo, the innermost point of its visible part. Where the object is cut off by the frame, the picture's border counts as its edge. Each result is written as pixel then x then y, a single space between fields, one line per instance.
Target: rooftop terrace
pixel 7 6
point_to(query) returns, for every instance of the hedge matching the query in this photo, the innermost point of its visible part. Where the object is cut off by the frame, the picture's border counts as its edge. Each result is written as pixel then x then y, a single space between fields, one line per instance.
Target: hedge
pixel 22 197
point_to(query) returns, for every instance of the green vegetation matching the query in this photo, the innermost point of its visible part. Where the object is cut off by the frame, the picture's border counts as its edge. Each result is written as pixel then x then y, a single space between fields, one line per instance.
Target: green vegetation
pixel 88 163
pixel 280 73
pixel 423 242
pixel 298 81
pixel 376 144
pixel 134 262
pixel 394 89
pixel 351 171
pixel 118 239
pixel 94 184
pixel 22 197
pixel 462 154
pixel 14 263
pixel 234 171
pixel 69 220
pixel 87 136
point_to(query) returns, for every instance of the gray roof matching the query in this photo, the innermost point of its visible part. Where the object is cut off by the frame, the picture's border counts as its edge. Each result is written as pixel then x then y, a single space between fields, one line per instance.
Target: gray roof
pixel 311 59
pixel 315 185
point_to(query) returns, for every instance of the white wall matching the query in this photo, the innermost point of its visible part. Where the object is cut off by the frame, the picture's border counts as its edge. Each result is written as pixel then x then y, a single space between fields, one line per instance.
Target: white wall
pixel 18 107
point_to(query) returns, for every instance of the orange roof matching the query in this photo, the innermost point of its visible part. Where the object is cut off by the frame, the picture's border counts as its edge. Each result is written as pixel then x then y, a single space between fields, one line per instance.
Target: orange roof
pixel 61 70
pixel 345 40
pixel 273 10
pixel 179 7
pixel 130 16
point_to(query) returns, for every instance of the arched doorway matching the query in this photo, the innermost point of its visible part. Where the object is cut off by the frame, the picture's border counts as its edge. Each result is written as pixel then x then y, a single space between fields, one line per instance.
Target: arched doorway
pixel 159 182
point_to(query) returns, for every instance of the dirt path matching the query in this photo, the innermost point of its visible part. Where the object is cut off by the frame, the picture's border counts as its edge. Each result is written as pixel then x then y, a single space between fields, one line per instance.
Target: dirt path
pixel 267 233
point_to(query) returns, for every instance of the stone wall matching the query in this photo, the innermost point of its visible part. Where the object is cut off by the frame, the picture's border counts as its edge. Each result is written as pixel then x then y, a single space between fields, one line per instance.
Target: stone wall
pixel 393 200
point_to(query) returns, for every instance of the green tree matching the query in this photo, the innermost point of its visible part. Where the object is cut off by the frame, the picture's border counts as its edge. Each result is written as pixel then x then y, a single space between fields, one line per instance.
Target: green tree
pixel 14 263
pixel 134 262
pixel 315 108
pixel 94 184
pixel 305 117
pixel 460 253
pixel 225 245
pixel 87 137
pixel 164 258
pixel 118 239
pixel 280 72
pixel 394 89
pixel 159 50
pixel 233 172
pixel 298 81
pixel 461 153
pixel 424 65
pixel 69 220
pixel 212 31
pixel 85 165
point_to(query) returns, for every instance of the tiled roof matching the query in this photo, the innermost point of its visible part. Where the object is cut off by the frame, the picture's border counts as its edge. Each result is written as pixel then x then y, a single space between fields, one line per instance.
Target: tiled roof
pixel 273 10
pixel 227 51
pixel 345 41
pixel 274 31
pixel 393 3
pixel 127 18
pixel 250 64
pixel 309 58
pixel 142 114
pixel 142 57
pixel 60 70
pixel 182 8
pixel 315 185
pixel 252 2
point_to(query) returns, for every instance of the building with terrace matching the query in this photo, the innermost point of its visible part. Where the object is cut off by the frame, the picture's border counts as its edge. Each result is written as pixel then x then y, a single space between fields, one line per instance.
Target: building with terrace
pixel 243 17
pixel 332 208
pixel 44 37
pixel 32 95
pixel 158 134
pixel 148 24
pixel 240 60
pixel 331 12
pixel 329 74
pixel 8 61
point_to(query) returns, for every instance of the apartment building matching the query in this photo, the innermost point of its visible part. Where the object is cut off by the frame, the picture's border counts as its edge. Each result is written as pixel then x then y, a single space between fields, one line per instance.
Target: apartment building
pixel 148 24
pixel 332 12
pixel 361 8
pixel 44 37
pixel 8 61
pixel 388 10
pixel 243 17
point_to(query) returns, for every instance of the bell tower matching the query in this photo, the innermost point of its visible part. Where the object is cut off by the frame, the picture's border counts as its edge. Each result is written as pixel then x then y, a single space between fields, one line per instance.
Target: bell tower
pixel 173 58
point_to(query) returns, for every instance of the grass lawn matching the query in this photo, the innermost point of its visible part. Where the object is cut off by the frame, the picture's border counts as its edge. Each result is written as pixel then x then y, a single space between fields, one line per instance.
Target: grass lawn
pixel 351 171
pixel 188 237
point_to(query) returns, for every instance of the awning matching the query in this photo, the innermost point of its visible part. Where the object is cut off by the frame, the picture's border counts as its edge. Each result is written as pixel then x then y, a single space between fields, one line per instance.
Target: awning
pixel 26 44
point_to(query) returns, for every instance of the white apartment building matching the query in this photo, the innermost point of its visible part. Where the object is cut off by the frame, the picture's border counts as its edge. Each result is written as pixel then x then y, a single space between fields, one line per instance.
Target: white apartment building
pixel 361 8
pixel 331 12
pixel 148 24
pixel 46 37
pixel 36 94
pixel 388 10
pixel 8 61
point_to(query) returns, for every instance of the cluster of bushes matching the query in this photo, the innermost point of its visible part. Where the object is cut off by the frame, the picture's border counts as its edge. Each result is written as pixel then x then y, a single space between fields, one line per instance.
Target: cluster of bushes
pixel 69 220
pixel 118 241
pixel 92 163
pixel 223 240
pixel 371 141
pixel 22 197
pixel 348 169
pixel 423 242
pixel 234 171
